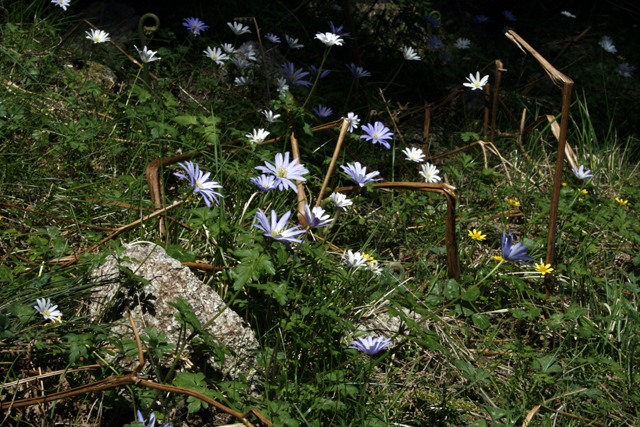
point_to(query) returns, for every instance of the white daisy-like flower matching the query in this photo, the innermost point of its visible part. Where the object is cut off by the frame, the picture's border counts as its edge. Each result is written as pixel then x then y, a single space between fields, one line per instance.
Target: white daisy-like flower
pixel 228 48
pixel 241 63
pixel 48 310
pixel 372 265
pixel 353 120
pixel 462 43
pixel 607 44
pixel 414 154
pixel 216 55
pixel 282 85
pixel 271 118
pixel 568 14
pixel 475 82
pixel 258 136
pixel 62 3
pixel 330 39
pixel 409 54
pixel 315 217
pixel 341 201
pixel 98 36
pixel 238 28
pixel 430 173
pixel 248 53
pixel 293 43
pixel 146 55
pixel 355 260
pixel 243 81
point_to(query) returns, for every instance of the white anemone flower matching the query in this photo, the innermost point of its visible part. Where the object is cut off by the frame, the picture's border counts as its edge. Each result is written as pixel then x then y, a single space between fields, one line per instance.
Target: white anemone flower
pixel 48 310
pixel 282 85
pixel 409 54
pixel 607 44
pixel 271 118
pixel 330 39
pixel 216 55
pixel 243 81
pixel 147 55
pixel 476 82
pixel 62 3
pixel 462 43
pixel 258 136
pixel 238 28
pixel 372 265
pixel 293 43
pixel 353 120
pixel 98 36
pixel 355 260
pixel 414 154
pixel 315 217
pixel 568 14
pixel 430 173
pixel 341 201
pixel 228 48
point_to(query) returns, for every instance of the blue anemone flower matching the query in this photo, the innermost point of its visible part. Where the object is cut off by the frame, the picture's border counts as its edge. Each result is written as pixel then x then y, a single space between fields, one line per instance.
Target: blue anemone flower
pixel 511 252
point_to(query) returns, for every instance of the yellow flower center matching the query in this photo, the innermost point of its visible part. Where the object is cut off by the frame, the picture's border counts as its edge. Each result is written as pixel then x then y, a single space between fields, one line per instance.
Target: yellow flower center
pixel 282 172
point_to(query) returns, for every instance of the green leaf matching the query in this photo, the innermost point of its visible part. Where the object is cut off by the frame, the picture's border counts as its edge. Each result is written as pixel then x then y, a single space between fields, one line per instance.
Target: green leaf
pixel 180 253
pixel 472 294
pixel 186 120
pixel 481 321
pixel 452 289
pixel 479 423
pixel 307 129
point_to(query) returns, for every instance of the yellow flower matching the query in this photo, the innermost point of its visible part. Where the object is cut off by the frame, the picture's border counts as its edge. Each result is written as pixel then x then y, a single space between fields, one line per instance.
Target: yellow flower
pixel 53 322
pixel 620 57
pixel 564 184
pixel 543 268
pixel 583 191
pixel 497 257
pixel 477 235
pixel 513 202
pixel 620 201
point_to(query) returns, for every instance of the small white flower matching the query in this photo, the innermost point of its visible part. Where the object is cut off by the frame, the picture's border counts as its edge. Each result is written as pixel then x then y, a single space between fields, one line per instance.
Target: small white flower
pixel 330 39
pixel 355 260
pixel 409 54
pixel 48 310
pixel 243 81
pixel 607 44
pixel 238 28
pixel 462 43
pixel 282 85
pixel 625 70
pixel 98 36
pixel 228 48
pixel 216 55
pixel 341 200
pixel 293 43
pixel 475 82
pixel 315 217
pixel 247 52
pixel 568 14
pixel 62 3
pixel 241 63
pixel 271 118
pixel 146 55
pixel 414 154
pixel 258 137
pixel 430 173
pixel 353 120
pixel 372 265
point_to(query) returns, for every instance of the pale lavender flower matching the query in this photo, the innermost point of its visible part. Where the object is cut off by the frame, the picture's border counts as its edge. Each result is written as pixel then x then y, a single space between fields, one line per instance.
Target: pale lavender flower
pixel 481 19
pixel 370 345
pixel 238 29
pixel 216 55
pixel 265 182
pixel 293 43
pixel 194 25
pixel 241 63
pixel 359 174
pixel 152 420
pixel 200 183
pixel 338 31
pixel 316 217
pixel 295 76
pixel 243 81
pixel 625 70
pixel 314 72
pixel 322 111
pixel 285 171
pixel 378 133
pixel 357 71
pixel 276 229
pixel 282 86
pixel 341 201
pixel 581 173
pixel 272 38
pixel 353 120
pixel 48 310
pixel 62 3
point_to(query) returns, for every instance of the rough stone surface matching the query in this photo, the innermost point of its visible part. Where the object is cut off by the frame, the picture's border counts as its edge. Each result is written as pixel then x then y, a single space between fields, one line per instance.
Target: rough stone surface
pixel 168 279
